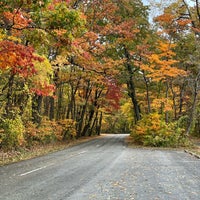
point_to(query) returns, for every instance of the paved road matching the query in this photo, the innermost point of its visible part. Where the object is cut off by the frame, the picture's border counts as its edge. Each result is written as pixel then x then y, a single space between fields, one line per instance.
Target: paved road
pixel 103 169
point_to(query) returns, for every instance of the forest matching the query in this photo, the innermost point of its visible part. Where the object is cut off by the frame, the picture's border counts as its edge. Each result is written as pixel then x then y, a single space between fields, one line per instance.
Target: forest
pixel 75 68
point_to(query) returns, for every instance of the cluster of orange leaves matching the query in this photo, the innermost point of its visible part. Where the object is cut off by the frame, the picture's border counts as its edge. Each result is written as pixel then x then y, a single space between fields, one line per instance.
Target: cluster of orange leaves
pixel 18 58
pixel 165 18
pixel 162 65
pixel 17 19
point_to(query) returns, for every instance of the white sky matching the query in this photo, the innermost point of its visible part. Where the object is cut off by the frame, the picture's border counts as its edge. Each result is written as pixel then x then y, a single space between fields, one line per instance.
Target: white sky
pixel 156 10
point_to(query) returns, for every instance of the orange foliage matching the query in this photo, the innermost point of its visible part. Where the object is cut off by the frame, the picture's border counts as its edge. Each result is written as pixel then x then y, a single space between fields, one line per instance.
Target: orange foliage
pixel 164 18
pixel 49 131
pixel 17 20
pixel 162 65
pixel 184 22
pixel 126 29
pixel 158 103
pixel 18 58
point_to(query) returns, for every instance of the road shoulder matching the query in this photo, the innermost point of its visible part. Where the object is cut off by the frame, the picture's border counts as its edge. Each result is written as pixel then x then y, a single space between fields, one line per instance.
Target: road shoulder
pixel 39 150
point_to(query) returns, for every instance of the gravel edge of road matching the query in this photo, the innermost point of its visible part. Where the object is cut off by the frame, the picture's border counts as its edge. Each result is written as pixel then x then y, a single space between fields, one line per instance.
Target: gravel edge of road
pixel 20 156
pixel 192 153
pixel 17 156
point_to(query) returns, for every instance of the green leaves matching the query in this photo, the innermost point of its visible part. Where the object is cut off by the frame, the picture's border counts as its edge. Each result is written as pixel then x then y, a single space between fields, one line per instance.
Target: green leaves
pixel 61 17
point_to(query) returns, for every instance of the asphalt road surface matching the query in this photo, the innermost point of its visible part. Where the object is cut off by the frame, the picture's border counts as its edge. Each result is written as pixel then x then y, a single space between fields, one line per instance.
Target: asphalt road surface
pixel 103 169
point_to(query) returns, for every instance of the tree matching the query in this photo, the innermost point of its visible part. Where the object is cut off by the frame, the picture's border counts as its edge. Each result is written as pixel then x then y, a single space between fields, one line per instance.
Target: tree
pixel 16 61
pixel 181 22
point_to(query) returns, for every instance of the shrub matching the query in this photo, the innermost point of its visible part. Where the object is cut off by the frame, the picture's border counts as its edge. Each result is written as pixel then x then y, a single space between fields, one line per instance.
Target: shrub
pixel 152 130
pixel 50 131
pixel 68 129
pixel 12 133
pixel 30 133
pixel 43 134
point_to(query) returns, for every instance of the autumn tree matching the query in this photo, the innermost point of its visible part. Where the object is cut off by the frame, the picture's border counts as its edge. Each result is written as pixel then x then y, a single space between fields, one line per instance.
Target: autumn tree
pixel 30 29
pixel 180 22
pixel 121 28
pixel 162 68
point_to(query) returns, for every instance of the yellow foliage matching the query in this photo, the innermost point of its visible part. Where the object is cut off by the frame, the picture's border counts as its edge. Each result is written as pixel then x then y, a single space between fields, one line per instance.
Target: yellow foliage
pixel 41 79
pixel 43 72
pixel 7 37
pixel 167 48
pixel 147 68
pixel 149 124
pixel 154 58
pixel 154 131
pixel 162 103
pixel 127 111
pixel 12 133
pixel 61 60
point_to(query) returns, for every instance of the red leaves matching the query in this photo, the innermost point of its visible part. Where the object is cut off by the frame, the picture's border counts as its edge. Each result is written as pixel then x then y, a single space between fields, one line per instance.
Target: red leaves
pixel 43 90
pixel 18 58
pixel 113 94
pixel 126 29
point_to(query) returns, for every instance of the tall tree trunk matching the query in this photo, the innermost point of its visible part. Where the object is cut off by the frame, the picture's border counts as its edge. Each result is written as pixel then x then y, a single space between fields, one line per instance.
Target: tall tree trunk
pixel 174 101
pixel 46 106
pixel 194 103
pixel 147 93
pixel 132 94
pixel 8 106
pixel 71 110
pixel 52 108
pixel 88 128
pixel 181 98
pixel 131 86
pixel 167 96
pixel 59 104
pixel 99 123
pixel 94 123
pixel 36 108
pixel 83 110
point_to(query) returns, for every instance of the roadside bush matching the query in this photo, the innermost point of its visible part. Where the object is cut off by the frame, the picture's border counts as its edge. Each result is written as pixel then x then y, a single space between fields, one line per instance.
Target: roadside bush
pixel 152 130
pixel 43 134
pixel 30 133
pixel 12 133
pixel 68 129
pixel 50 131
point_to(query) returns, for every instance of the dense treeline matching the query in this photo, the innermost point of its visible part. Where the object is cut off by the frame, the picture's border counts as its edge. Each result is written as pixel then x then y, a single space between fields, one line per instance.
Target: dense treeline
pixel 70 68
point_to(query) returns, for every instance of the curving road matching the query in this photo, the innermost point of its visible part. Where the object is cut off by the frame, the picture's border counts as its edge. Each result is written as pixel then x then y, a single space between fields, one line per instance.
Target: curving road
pixel 103 169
